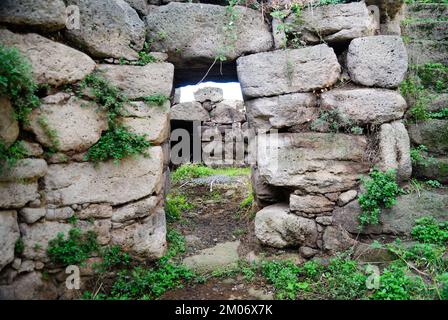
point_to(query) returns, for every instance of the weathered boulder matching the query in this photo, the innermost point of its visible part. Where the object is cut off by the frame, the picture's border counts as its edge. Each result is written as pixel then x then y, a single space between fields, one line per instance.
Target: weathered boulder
pixel 9 234
pixel 145 239
pixel 47 15
pixel 212 94
pixel 194 33
pixel 66 65
pixel 189 111
pixel 310 204
pixel 9 126
pixel 118 30
pixel 36 237
pixel 336 239
pixel 365 106
pixel 276 227
pixel 431 133
pixel 227 112
pixel 312 162
pixel 25 169
pixel 378 61
pixel 17 194
pixel 287 71
pixel 394 149
pixel 132 179
pixel 136 210
pixel 31 215
pixel 283 111
pixel 29 286
pixel 75 125
pixel 152 121
pixel 400 219
pixel 333 23
pixel 137 82
pixel 436 169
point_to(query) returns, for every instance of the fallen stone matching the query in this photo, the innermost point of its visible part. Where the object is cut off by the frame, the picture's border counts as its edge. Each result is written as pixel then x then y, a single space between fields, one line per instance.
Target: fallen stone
pixel 378 61
pixel 119 32
pixel 66 65
pixel 9 234
pixel 287 71
pixel 9 126
pixel 310 204
pixel 189 111
pixel 432 133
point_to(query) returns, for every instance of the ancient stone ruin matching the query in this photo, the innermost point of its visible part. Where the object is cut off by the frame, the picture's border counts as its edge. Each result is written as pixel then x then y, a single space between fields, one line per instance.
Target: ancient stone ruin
pixel 321 94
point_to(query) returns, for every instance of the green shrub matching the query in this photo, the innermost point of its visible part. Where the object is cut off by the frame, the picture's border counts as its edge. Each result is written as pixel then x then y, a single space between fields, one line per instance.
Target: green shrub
pixel 248 201
pixel 16 82
pixel 117 143
pixel 10 156
pixel 156 99
pixel 114 257
pixel 175 205
pixel 429 230
pixel 283 275
pixel 73 250
pixel 193 171
pixel 419 156
pixel 433 76
pixel 176 244
pixel 381 191
pixel 19 246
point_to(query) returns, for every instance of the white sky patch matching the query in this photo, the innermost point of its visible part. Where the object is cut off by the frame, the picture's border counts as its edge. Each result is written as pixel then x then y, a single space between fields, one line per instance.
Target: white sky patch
pixel 231 90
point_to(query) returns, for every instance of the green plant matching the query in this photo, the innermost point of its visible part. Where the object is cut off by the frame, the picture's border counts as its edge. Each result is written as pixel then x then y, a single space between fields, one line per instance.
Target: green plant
pixel 283 276
pixel 49 132
pixel 434 76
pixel 118 143
pixel 10 156
pixel 19 246
pixel 248 201
pixel 156 99
pixel 176 243
pixel 381 190
pixel 114 257
pixel 333 121
pixel 433 184
pixel 16 82
pixel 175 205
pixel 419 156
pixel 441 114
pixel 73 250
pixel 192 171
pixel 429 230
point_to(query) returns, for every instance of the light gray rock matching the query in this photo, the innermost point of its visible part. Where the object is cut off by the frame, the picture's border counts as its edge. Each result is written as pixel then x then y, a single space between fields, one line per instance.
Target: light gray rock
pixel 194 33
pixel 325 220
pixel 365 106
pixel 223 255
pixel 29 286
pixel 59 213
pixel 227 112
pixel 9 234
pixel 310 204
pixel 103 230
pixel 31 215
pixel 146 239
pixel 9 126
pixel 394 149
pixel 336 239
pixel 346 197
pixel 17 194
pixel 378 61
pixel 77 125
pixel 307 252
pixel 276 227
pixel 25 169
pixel 154 78
pixel 333 23
pixel 312 162
pixel 287 71
pixel 432 133
pixel 118 30
pixel 32 149
pixel 135 210
pixel 132 179
pixel 189 111
pixel 66 65
pixel 47 15
pixel 97 211
pixel 141 6
pixel 36 237
pixel 26 266
pixel 282 111
pixel 212 94
pixel 400 219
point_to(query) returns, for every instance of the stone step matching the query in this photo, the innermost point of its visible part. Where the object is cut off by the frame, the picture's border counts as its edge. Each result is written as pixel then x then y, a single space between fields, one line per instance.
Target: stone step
pixel 428 30
pixel 436 168
pixel 427 10
pixel 427 51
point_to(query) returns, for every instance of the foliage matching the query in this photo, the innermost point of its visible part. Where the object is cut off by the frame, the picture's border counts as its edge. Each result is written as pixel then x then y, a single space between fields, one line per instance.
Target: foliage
pixel 193 171
pixel 334 121
pixel 176 244
pixel 73 250
pixel 156 99
pixel 441 114
pixel 248 201
pixel 114 257
pixel 19 246
pixel 327 2
pixel 381 191
pixel 175 205
pixel 118 143
pixel 433 76
pixel 16 82
pixel 283 275
pixel 10 156
pixel 429 230
pixel 49 132
pixel 419 156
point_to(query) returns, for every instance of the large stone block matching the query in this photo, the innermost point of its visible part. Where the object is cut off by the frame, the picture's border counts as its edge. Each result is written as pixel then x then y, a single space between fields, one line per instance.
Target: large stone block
pixel 333 23
pixel 365 106
pixel 276 227
pixel 25 169
pixel 9 234
pixel 77 124
pixel 310 204
pixel 189 111
pixel 53 63
pixel 9 126
pixel 283 111
pixel 137 82
pixel 194 33
pixel 227 112
pixel 312 162
pixel 47 15
pixel 132 179
pixel 431 133
pixel 287 71
pixel 108 28
pixel 17 194
pixel 136 210
pixel 378 61
pixel 394 149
